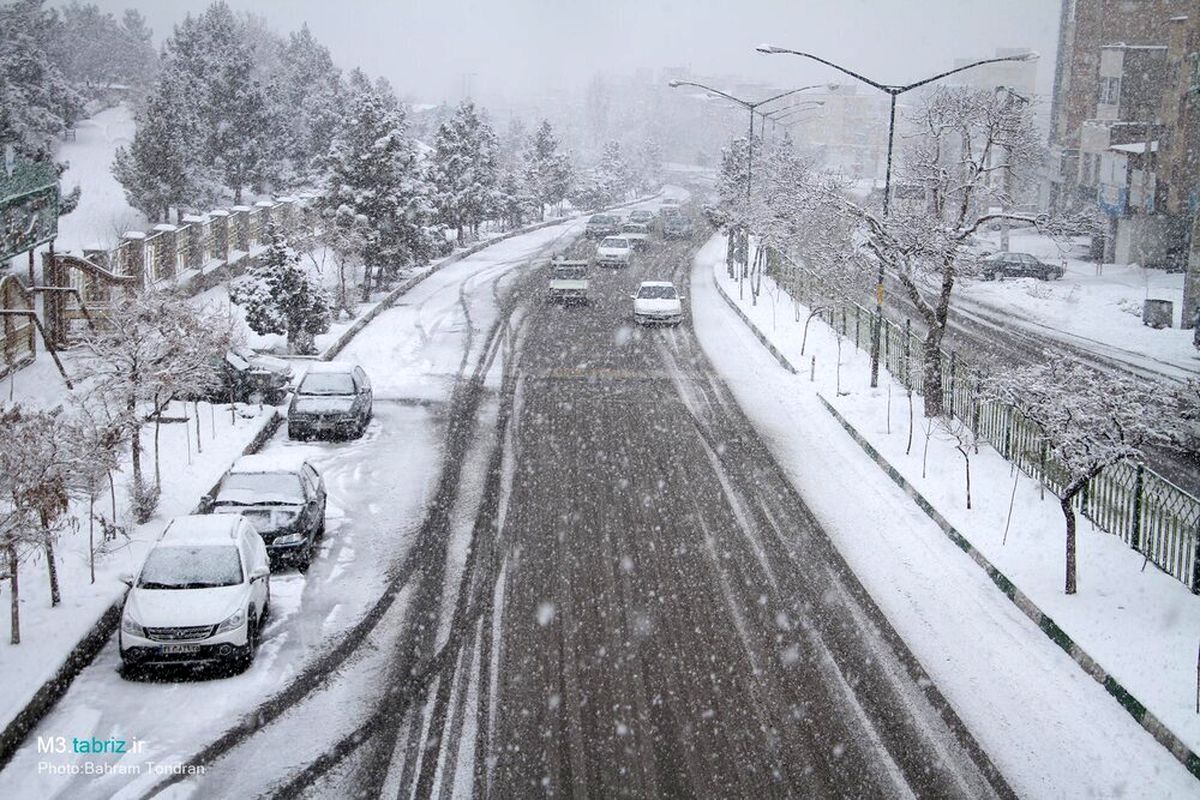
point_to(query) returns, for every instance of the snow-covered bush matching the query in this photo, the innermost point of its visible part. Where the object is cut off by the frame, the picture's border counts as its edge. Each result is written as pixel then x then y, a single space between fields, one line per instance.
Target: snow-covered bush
pixel 280 296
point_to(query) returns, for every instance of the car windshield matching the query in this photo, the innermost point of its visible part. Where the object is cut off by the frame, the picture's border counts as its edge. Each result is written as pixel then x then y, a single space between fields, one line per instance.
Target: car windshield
pixel 656 293
pixel 615 244
pixel 256 488
pixel 191 567
pixel 327 383
pixel 633 228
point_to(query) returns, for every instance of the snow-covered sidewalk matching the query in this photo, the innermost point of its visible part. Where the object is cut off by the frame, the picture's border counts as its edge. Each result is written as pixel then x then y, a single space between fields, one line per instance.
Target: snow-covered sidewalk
pixel 49 634
pixel 1052 729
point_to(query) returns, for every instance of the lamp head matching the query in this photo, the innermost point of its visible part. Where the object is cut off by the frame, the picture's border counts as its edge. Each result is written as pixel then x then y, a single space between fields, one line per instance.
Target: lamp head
pixel 769 49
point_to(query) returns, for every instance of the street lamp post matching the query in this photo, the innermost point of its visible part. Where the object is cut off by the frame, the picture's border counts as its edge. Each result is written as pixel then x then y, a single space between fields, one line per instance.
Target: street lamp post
pixel 893 91
pixel 752 108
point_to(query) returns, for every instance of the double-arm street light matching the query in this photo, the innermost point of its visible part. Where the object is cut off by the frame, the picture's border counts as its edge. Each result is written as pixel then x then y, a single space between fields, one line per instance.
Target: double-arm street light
pixel 752 107
pixel 780 115
pixel 894 91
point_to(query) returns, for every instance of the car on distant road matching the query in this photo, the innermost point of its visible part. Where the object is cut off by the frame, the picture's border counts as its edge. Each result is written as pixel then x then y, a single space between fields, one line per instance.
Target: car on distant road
pixel 202 595
pixel 333 399
pixel 642 216
pixel 615 251
pixel 601 225
pixel 568 282
pixel 657 302
pixel 637 234
pixel 677 226
pixel 1017 265
pixel 284 498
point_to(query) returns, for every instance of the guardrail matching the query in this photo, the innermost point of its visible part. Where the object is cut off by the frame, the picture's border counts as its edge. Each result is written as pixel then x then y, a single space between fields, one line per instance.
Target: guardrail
pixel 1154 516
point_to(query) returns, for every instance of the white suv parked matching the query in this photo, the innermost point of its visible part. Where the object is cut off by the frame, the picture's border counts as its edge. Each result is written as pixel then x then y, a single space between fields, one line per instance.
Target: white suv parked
pixel 201 596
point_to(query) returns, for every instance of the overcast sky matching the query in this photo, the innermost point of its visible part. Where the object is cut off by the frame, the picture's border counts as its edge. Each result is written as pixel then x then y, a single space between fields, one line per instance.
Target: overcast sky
pixel 516 46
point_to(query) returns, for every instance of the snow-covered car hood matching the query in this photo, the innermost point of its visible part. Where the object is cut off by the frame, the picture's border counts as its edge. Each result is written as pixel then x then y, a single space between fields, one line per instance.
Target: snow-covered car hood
pixel 321 404
pixel 657 306
pixel 170 608
pixel 266 518
pixel 612 251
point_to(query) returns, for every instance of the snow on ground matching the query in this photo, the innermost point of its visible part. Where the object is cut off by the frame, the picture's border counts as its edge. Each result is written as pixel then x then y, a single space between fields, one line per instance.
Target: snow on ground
pixel 1052 729
pixel 47 634
pixel 378 487
pixel 103 213
pixel 1096 307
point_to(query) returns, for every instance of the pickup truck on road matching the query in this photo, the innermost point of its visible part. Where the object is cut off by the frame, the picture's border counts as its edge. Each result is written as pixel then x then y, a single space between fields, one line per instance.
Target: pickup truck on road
pixel 568 282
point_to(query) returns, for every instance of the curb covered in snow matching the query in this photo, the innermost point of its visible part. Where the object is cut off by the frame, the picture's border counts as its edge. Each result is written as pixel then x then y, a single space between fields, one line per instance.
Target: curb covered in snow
pixel 1153 726
pixel 88 647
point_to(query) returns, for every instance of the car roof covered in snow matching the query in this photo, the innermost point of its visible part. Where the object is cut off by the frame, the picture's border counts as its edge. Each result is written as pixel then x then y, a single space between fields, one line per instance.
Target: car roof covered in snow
pixel 331 366
pixel 656 283
pixel 205 529
pixel 268 462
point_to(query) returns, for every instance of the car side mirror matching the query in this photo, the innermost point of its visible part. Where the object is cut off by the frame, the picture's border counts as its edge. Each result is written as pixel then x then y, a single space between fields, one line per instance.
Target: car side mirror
pixel 683 297
pixel 206 504
pixel 127 579
pixel 259 572
pixel 633 297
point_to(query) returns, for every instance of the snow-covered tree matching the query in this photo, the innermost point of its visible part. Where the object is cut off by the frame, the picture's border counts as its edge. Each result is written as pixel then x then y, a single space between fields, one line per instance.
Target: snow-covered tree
pixel 548 173
pixel 36 458
pixel 37 101
pixel 513 200
pixel 969 152
pixel 280 296
pixel 1089 420
pixel 310 95
pixel 96 50
pixel 613 174
pixel 148 348
pixel 373 170
pixel 164 167
pixel 649 172
pixel 463 170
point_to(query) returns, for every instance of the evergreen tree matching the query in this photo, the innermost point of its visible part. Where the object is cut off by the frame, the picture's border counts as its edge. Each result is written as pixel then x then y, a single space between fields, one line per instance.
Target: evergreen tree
pixel 650 167
pixel 612 174
pixel 372 169
pixel 548 172
pixel 281 297
pixel 463 172
pixel 37 102
pixel 164 166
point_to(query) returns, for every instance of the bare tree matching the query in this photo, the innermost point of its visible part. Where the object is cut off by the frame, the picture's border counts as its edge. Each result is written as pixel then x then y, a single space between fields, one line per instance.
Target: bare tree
pixel 969 154
pixel 148 348
pixel 1089 420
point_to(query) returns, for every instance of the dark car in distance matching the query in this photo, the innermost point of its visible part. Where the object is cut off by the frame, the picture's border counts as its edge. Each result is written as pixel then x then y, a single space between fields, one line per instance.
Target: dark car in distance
pixel 1017 265
pixel 333 400
pixel 284 499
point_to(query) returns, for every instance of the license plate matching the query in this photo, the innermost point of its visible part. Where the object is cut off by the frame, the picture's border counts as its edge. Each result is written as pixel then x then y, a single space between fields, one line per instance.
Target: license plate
pixel 180 649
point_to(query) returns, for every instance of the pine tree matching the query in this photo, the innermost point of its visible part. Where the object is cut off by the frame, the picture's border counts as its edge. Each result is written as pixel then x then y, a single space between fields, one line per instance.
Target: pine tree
pixel 612 174
pixel 372 169
pixel 548 172
pixel 280 296
pixel 37 102
pixel 463 171
pixel 650 167
pixel 164 167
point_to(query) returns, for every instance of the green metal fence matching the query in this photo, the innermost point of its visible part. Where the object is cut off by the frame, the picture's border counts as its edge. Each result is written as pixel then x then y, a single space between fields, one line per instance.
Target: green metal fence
pixel 1153 515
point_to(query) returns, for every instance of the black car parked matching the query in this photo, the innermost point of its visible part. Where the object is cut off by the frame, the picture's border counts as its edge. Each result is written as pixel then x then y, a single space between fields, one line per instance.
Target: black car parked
pixel 283 499
pixel 333 399
pixel 1017 265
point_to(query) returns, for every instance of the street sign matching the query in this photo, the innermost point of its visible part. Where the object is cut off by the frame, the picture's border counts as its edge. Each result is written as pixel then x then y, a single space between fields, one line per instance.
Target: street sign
pixel 29 205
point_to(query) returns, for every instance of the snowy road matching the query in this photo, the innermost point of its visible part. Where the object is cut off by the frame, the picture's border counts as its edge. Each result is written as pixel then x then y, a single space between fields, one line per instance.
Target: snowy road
pixel 614 590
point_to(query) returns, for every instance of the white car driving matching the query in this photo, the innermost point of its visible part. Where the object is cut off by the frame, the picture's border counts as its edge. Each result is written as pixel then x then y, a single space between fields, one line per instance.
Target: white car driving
pixel 615 251
pixel 201 595
pixel 657 302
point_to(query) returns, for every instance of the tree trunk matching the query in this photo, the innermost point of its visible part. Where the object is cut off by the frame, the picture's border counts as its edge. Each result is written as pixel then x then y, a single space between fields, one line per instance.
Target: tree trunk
pixel 52 572
pixel 1069 513
pixel 932 372
pixel 15 638
pixel 157 428
pixel 92 529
